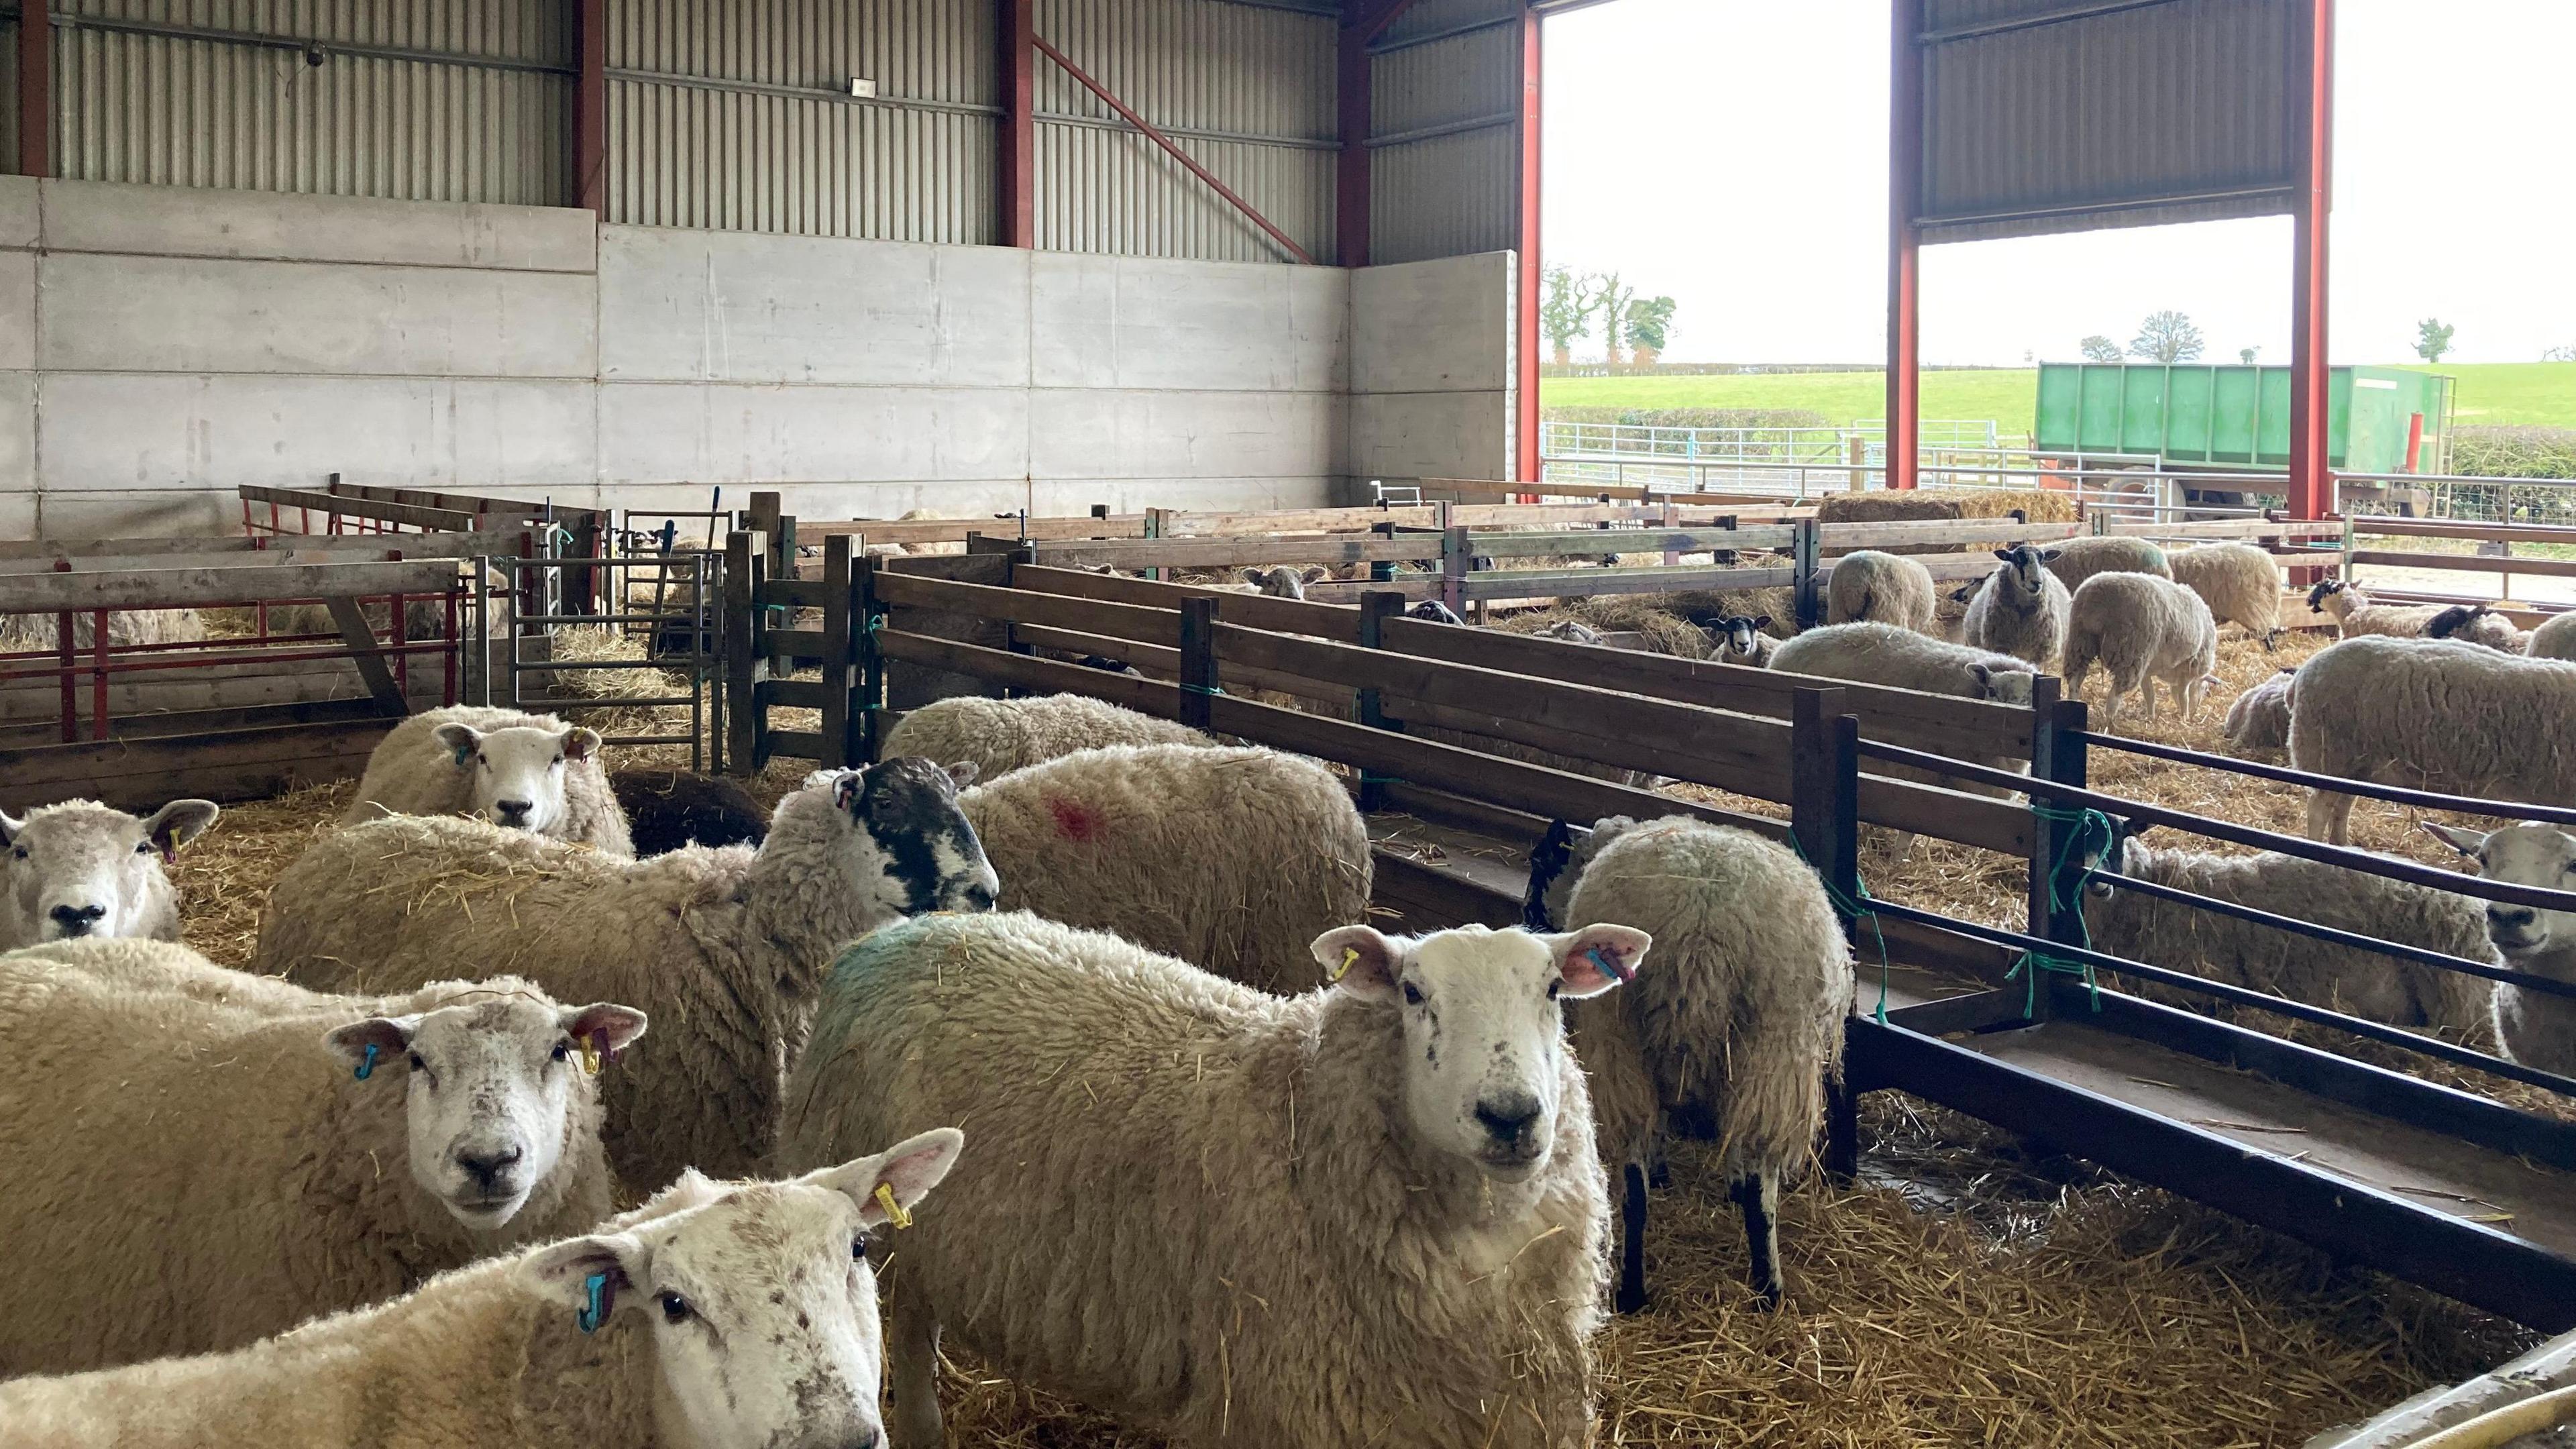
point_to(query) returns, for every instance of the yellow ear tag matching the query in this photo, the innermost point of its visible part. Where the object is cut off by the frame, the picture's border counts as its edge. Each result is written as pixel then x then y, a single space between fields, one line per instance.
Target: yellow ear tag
pixel 589 1058
pixel 1350 955
pixel 893 1210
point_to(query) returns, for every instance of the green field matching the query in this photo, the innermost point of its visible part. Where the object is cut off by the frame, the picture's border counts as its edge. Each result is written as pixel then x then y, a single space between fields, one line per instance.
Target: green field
pixel 2542 393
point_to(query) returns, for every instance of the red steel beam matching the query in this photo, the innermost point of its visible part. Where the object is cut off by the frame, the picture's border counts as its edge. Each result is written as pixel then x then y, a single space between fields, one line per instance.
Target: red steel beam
pixel 35 89
pixel 2311 482
pixel 590 109
pixel 1018 172
pixel 1525 347
pixel 1170 147
pixel 1904 244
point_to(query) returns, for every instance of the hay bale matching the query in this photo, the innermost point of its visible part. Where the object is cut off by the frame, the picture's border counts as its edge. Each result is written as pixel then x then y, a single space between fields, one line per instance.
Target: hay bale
pixel 1882 505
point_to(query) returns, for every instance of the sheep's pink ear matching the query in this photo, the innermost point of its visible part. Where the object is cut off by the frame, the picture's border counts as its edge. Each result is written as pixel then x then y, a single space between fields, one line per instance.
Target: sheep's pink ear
pixel 964 773
pixel 177 823
pixel 461 741
pixel 604 1026
pixel 581 743
pixel 561 1273
pixel 907 1171
pixel 390 1036
pixel 1358 960
pixel 1596 958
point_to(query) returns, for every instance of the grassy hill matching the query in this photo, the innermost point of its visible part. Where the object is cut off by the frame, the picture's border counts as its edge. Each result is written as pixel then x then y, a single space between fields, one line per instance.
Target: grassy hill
pixel 2537 393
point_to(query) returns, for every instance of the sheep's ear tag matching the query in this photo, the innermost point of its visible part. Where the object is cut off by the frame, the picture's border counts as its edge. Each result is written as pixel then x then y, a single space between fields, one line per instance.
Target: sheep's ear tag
pixel 1350 957
pixel 603 1299
pixel 169 850
pixel 894 1211
pixel 1610 966
pixel 590 1054
pixel 367 1068
pixel 464 754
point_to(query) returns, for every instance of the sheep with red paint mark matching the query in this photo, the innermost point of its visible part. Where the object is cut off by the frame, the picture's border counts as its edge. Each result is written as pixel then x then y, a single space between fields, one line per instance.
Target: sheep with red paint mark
pixel 1231 859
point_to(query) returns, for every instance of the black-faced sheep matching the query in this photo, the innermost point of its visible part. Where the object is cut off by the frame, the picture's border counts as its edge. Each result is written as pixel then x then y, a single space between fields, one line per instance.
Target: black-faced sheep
pixel 717 1314
pixel 193 1168
pixel 2020 610
pixel 1435 612
pixel 1903 659
pixel 2433 714
pixel 1738 1030
pixel 2240 584
pixel 1870 586
pixel 998 736
pixel 2356 616
pixel 83 869
pixel 2477 624
pixel 724 947
pixel 1230 859
pixel 2536 1028
pixel 2078 559
pixel 1393 1177
pixel 2143 631
pixel 1746 640
pixel 519 771
pixel 668 809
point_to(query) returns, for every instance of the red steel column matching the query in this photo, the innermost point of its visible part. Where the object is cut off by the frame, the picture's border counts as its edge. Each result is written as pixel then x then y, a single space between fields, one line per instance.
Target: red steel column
pixel 1019 160
pixel 1525 347
pixel 1904 279
pixel 1351 176
pixel 590 109
pixel 35 89
pixel 2311 480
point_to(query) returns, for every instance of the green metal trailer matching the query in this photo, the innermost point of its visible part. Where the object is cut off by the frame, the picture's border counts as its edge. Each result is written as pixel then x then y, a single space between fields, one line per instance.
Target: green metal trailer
pixel 2196 416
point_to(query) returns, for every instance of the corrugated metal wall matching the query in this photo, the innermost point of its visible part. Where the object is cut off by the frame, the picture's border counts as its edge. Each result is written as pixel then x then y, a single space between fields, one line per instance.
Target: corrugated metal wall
pixel 1445 98
pixel 2041 117
pixel 1247 91
pixel 434 100
pixel 736 114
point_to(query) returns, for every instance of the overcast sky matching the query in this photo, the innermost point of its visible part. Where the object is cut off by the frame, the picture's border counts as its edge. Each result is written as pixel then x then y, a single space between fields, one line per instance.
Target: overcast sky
pixel 1733 154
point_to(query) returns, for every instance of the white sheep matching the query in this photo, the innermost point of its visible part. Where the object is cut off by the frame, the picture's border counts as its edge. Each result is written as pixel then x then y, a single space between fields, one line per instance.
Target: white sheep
pixel 725 1314
pixel 1903 659
pixel 1737 1032
pixel 83 869
pixel 1743 639
pixel 998 736
pixel 1230 859
pixel 2238 581
pixel 2478 624
pixel 519 771
pixel 2263 958
pixel 193 1167
pixel 723 946
pixel 2259 721
pixel 1876 587
pixel 2078 559
pixel 1369 1214
pixel 2433 714
pixel 2535 1028
pixel 2021 608
pixel 1282 582
pixel 2356 616
pixel 2143 631
pixel 2553 638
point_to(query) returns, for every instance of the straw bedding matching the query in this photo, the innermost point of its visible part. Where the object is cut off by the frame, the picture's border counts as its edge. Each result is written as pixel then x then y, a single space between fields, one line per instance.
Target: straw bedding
pixel 1968 1291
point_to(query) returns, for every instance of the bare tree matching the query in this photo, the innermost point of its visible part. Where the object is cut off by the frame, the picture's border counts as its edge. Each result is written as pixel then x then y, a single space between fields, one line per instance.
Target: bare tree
pixel 2166 337
pixel 2098 348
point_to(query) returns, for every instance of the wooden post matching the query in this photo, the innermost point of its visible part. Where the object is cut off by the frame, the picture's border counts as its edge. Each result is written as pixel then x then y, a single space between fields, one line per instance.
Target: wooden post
pixel 2057 754
pixel 838 746
pixel 1454 563
pixel 744 715
pixel 1805 559
pixel 871 704
pixel 1198 660
pixel 1376 607
pixel 1824 816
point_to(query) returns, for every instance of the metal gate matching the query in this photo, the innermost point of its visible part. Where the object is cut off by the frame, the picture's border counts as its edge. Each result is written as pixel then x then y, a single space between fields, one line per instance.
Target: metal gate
pixel 513 662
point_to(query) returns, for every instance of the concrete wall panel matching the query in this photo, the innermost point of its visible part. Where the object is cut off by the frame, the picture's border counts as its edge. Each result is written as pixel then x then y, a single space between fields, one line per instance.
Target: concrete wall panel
pixel 1087 433
pixel 743 307
pixel 130 513
pixel 1137 322
pixel 948 498
pixel 719 433
pixel 17 311
pixel 1071 497
pixel 1432 435
pixel 107 312
pixel 18 216
pixel 275 226
pixel 119 431
pixel 17 437
pixel 1438 326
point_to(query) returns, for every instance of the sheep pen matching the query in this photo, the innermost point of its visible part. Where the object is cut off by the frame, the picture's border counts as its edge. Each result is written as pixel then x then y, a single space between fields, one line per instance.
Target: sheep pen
pixel 1934 1301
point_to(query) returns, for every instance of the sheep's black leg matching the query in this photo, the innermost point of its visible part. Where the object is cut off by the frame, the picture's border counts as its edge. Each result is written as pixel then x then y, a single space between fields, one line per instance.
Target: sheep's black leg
pixel 1758 1194
pixel 1659 1174
pixel 1632 1242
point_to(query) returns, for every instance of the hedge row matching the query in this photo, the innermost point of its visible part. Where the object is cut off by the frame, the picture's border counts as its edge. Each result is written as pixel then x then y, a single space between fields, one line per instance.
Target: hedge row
pixel 1691 417
pixel 2501 452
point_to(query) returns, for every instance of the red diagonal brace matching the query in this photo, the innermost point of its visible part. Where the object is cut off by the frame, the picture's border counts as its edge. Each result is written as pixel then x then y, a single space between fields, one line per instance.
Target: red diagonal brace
pixel 1168 145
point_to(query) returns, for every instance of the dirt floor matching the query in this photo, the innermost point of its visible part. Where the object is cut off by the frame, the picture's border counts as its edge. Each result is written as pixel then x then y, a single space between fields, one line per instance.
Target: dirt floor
pixel 1965 1292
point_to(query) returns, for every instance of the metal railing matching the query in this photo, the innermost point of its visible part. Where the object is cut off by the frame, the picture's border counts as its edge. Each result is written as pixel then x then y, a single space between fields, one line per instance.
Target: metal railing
pixel 700 625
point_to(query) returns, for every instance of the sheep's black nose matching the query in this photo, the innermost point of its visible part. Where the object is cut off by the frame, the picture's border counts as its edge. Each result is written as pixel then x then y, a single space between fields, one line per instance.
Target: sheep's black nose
pixel 514 811
pixel 1508 1119
pixel 77 920
pixel 2499 918
pixel 487 1167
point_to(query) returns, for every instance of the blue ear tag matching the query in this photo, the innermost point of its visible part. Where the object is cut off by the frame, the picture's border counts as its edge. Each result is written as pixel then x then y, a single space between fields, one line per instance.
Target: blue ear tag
pixel 464 753
pixel 367 1068
pixel 1610 965
pixel 597 1313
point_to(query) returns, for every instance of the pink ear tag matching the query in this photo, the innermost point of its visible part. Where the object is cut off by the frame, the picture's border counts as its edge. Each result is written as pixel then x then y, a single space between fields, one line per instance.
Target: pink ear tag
pixel 1610 965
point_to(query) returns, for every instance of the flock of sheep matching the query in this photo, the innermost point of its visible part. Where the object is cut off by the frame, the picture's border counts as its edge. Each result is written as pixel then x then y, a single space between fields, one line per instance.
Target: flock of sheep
pixel 1216 1157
